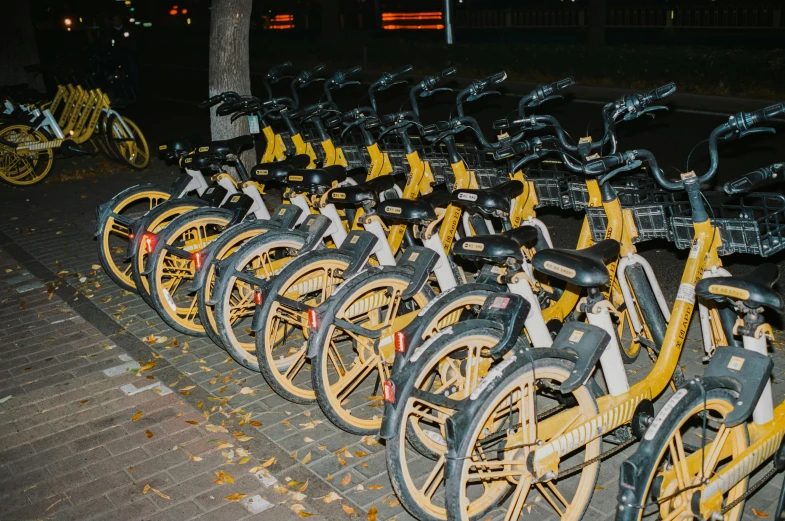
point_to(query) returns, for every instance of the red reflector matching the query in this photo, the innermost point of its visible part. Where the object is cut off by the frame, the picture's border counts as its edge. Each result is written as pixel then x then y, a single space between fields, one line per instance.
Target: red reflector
pixel 313 321
pixel 198 260
pixel 131 236
pixel 389 391
pixel 257 296
pixel 400 342
pixel 149 242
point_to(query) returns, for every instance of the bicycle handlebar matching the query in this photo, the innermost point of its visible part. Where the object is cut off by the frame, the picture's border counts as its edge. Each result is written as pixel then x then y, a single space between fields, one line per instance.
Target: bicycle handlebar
pixel 218 98
pixel 476 90
pixel 748 182
pixel 543 93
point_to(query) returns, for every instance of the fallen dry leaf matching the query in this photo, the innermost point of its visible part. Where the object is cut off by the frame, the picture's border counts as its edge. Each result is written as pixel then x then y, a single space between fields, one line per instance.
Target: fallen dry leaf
pixel 760 514
pixel 192 422
pixel 146 367
pixel 148 433
pixel 269 462
pixel 360 454
pixel 306 459
pixel 215 428
pixel 224 478
pixel 247 390
pixel 300 510
pixel 346 508
pixel 235 497
pixel 375 487
pixel 346 480
pixel 372 513
pixel 188 388
pixel 137 416
pixel 255 423
pixel 332 496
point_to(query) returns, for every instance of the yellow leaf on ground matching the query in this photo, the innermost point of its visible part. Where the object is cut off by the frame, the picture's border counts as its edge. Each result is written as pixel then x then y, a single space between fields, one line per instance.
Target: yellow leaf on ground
pixel 235 497
pixel 306 459
pixel 760 514
pixel 346 508
pixel 244 460
pixel 255 423
pixel 300 510
pixel 302 489
pixel 148 433
pixel 341 461
pixel 372 513
pixel 269 462
pixel 360 454
pixel 188 388
pixel 146 367
pixel 346 480
pixel 160 493
pixel 146 489
pixel 136 416
pixel 332 496
pixel 192 422
pixel 96 266
pixel 215 428
pixel 375 487
pixel 247 390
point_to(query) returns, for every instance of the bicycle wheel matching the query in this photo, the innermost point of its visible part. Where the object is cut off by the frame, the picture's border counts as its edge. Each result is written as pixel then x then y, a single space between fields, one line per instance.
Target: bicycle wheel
pixel 452 367
pixel 649 313
pixel 100 138
pixel 350 369
pixel 226 245
pixel 281 343
pixel 668 470
pixel 131 148
pixel 235 305
pixel 173 265
pixel 115 227
pixel 154 222
pixel 494 434
pixel 23 167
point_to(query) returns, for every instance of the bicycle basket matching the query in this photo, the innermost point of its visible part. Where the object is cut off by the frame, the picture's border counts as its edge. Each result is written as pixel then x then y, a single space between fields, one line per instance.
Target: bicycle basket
pixel 552 182
pixel 751 224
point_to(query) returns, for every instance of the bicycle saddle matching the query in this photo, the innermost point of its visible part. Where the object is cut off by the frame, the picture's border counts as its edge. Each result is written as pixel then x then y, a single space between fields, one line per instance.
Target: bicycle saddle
pixel 585 268
pixel 362 192
pixel 317 180
pixel 173 149
pixel 753 289
pixel 496 248
pixel 417 211
pixel 228 146
pixel 278 170
pixel 489 201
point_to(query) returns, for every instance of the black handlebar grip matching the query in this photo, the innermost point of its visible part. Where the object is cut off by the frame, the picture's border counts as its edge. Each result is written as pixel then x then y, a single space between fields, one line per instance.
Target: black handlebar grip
pixel 447 72
pixel 210 102
pixel 748 182
pixel 495 79
pixel 604 164
pixel 770 112
pixel 660 92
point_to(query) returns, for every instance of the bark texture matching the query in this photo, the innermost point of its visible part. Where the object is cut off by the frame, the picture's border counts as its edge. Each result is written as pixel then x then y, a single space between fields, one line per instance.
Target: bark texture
pixel 18 47
pixel 230 24
pixel 597 15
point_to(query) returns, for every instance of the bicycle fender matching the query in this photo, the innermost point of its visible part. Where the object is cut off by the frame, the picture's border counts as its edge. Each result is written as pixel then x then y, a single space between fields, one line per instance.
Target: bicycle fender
pixel 414 331
pixel 162 237
pixel 583 343
pixel 140 226
pixel 227 267
pixel 743 371
pixel 209 252
pixel 509 311
pixel 420 262
pixel 269 288
pixel 404 379
pixel 315 229
pixel 285 216
pixel 103 211
pixel 325 312
pixel 358 246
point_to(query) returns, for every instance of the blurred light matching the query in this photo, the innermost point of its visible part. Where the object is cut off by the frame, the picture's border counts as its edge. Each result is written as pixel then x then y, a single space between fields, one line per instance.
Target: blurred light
pixel 137 23
pixel 67 28
pixel 132 20
pixel 126 34
pixel 68 21
pixel 188 21
pixel 184 11
pixel 409 20
pixel 127 2
pixel 281 21
pixel 173 12
pixel 147 24
pixel 132 9
pixel 80 19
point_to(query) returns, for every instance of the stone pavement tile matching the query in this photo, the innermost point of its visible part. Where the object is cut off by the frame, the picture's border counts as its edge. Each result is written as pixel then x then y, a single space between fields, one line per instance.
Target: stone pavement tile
pixel 187 510
pixel 49 507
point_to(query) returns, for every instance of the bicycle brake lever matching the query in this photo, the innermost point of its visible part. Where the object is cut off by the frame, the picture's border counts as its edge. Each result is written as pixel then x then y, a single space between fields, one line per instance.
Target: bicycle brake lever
pixel 426 93
pixel 344 84
pixel 537 103
pixel 648 110
pixel 758 130
pixel 475 97
pixel 387 86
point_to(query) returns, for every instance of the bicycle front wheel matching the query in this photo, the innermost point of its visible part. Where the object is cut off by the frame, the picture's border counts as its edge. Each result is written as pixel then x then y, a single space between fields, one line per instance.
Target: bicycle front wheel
pixel 23 166
pixel 129 147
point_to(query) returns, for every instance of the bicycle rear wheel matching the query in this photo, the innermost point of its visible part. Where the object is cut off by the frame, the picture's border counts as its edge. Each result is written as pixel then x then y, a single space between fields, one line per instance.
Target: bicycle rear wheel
pixel 26 166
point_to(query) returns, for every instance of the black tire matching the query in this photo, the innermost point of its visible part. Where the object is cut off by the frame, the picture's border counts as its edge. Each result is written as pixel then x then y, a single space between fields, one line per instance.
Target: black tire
pixel 164 302
pixel 469 425
pixel 267 362
pixel 356 419
pixel 174 208
pixel 646 464
pixel 649 310
pixel 106 249
pixel 232 335
pixel 446 346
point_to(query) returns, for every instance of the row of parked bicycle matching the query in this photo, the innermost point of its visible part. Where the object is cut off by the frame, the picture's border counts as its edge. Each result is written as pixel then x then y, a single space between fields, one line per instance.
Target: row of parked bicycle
pixel 407 286
pixel 76 121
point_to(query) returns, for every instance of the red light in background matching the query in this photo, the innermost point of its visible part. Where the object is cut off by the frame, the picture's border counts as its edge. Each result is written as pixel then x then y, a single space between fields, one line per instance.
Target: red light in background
pixel 184 11
pixel 173 12
pixel 399 21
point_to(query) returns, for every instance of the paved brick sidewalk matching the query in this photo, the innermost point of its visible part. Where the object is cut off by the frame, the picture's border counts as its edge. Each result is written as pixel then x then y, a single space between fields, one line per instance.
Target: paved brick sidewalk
pixel 88 433
pixel 49 228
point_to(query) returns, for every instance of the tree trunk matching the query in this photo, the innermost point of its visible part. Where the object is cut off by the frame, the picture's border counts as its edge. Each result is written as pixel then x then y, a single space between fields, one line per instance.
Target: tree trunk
pixel 230 24
pixel 597 14
pixel 18 47
pixel 331 20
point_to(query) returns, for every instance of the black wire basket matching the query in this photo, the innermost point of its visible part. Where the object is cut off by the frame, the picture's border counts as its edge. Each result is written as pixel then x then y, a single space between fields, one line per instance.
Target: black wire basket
pixel 551 181
pixel 753 223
